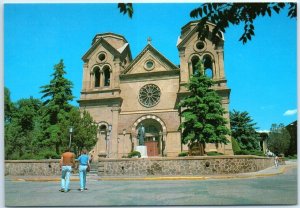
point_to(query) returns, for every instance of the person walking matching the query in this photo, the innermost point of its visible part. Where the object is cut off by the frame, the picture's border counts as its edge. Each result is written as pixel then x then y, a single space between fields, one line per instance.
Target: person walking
pixel 67 162
pixel 83 161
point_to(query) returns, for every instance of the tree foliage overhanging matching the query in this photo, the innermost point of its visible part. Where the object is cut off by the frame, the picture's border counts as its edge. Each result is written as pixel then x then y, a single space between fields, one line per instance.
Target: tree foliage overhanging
pixel 225 14
pixel 39 130
pixel 202 112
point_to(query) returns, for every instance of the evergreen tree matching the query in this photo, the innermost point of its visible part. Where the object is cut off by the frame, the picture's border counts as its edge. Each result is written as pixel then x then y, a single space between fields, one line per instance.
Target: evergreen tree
pixel 203 113
pixel 57 95
pixel 279 139
pixel 243 130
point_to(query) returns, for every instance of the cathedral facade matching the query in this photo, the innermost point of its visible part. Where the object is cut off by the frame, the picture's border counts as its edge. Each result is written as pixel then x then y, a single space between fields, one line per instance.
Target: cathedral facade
pixel 122 93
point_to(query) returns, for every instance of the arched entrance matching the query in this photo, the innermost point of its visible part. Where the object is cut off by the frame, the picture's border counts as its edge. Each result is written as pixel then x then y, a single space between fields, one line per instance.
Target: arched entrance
pixel 155 133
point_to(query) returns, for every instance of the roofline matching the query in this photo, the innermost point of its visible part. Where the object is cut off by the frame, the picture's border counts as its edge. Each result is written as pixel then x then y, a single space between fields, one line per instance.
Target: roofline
pixel 196 21
pixel 109 33
pixel 142 53
pixel 84 57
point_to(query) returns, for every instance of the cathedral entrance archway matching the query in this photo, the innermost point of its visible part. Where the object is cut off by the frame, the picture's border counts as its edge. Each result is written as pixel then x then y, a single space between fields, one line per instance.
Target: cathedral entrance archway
pixel 155 131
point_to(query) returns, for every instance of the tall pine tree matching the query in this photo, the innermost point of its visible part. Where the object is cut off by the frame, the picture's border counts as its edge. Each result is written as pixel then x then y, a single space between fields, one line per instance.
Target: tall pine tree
pixel 202 112
pixel 57 95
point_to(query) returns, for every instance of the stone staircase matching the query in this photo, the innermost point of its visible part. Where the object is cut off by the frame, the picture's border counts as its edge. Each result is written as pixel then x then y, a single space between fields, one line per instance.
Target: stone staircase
pixel 94 169
pixel 93 172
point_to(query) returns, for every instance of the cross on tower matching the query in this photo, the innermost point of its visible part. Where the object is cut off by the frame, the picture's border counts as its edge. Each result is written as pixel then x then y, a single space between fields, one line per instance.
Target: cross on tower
pixel 149 40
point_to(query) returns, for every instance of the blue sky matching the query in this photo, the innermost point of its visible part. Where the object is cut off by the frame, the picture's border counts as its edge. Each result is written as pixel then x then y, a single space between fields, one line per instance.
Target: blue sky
pixel 262 74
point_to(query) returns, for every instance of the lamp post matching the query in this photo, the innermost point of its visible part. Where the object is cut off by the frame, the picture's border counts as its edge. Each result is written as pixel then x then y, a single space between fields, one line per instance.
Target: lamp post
pixel 124 133
pixel 70 132
pixel 162 143
pixel 108 138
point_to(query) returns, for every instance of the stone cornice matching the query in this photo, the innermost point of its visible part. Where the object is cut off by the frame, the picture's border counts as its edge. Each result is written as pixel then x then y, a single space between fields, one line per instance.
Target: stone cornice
pixel 147 75
pixel 105 100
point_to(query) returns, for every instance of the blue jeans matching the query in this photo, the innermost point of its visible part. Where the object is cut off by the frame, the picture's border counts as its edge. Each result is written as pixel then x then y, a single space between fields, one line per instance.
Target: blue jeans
pixel 82 176
pixel 65 177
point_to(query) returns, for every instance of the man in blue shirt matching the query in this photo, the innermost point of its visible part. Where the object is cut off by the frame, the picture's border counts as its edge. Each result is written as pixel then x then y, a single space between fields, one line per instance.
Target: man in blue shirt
pixel 83 161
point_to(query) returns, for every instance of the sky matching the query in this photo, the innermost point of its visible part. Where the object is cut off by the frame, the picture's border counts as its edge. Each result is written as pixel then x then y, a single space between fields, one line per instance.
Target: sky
pixel 261 74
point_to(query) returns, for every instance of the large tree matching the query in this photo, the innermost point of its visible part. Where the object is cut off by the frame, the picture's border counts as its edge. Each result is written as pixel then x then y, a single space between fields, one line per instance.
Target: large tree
pixel 8 106
pixel 225 14
pixel 84 130
pixel 57 95
pixel 18 132
pixel 243 130
pixel 202 112
pixel 279 139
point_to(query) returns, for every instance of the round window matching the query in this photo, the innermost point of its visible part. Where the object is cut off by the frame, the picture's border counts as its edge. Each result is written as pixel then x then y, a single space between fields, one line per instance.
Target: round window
pixel 200 46
pixel 101 57
pixel 149 95
pixel 149 65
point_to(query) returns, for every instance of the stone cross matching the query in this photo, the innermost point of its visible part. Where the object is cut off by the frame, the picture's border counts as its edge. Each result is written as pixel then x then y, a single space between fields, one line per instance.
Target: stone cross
pixel 149 40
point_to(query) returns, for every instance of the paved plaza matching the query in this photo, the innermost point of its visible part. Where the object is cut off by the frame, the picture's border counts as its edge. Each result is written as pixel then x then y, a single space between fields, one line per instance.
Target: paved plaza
pixel 268 187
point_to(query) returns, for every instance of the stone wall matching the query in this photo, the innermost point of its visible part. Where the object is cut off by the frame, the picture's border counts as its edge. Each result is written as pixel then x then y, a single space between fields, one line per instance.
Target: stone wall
pixel 149 166
pixel 183 166
pixel 32 167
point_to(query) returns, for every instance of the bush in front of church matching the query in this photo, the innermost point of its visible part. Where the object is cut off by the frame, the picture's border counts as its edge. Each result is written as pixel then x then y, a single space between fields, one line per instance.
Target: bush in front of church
pixel 134 154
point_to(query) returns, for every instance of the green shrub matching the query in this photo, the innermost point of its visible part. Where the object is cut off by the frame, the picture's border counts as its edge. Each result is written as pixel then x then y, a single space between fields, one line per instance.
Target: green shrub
pixel 134 154
pixel 242 152
pixel 183 154
pixel 48 154
pixel 214 153
pixel 235 145
pixel 257 153
pixel 292 157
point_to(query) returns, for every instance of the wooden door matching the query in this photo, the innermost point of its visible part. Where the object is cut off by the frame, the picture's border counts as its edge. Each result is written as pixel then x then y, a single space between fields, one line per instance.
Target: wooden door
pixel 152 148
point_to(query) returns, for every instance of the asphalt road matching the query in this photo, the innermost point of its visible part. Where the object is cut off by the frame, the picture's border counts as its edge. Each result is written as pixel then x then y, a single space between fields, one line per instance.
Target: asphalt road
pixel 272 190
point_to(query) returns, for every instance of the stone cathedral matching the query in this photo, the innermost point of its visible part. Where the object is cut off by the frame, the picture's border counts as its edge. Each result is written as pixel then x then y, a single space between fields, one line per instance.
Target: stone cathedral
pixel 121 93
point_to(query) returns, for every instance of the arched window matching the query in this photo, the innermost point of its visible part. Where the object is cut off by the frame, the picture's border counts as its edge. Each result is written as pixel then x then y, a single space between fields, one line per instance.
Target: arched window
pixel 97 76
pixel 106 73
pixel 195 60
pixel 208 67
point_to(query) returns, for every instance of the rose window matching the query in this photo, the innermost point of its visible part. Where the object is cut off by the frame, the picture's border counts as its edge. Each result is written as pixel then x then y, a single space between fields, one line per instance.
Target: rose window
pixel 149 95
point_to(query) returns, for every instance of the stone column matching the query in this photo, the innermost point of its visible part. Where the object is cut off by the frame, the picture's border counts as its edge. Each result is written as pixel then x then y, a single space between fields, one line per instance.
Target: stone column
pixel 116 74
pixel 184 69
pixel 114 133
pixel 214 70
pixel 190 69
pixel 101 78
pixel 86 77
pixel 221 64
pixel 91 78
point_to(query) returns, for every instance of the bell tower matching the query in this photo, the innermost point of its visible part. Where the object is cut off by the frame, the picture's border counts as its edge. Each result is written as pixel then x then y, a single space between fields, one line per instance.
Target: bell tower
pixel 106 59
pixel 191 50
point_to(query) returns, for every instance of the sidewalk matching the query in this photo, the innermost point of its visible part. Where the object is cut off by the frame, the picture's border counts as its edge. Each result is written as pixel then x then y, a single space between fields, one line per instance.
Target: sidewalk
pixel 272 171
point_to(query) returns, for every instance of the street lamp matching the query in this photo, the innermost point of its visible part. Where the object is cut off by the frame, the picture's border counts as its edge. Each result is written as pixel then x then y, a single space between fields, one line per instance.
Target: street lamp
pixel 108 138
pixel 162 143
pixel 70 132
pixel 124 133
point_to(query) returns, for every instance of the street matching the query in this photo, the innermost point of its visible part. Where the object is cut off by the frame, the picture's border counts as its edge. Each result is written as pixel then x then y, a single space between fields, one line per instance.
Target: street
pixel 278 189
